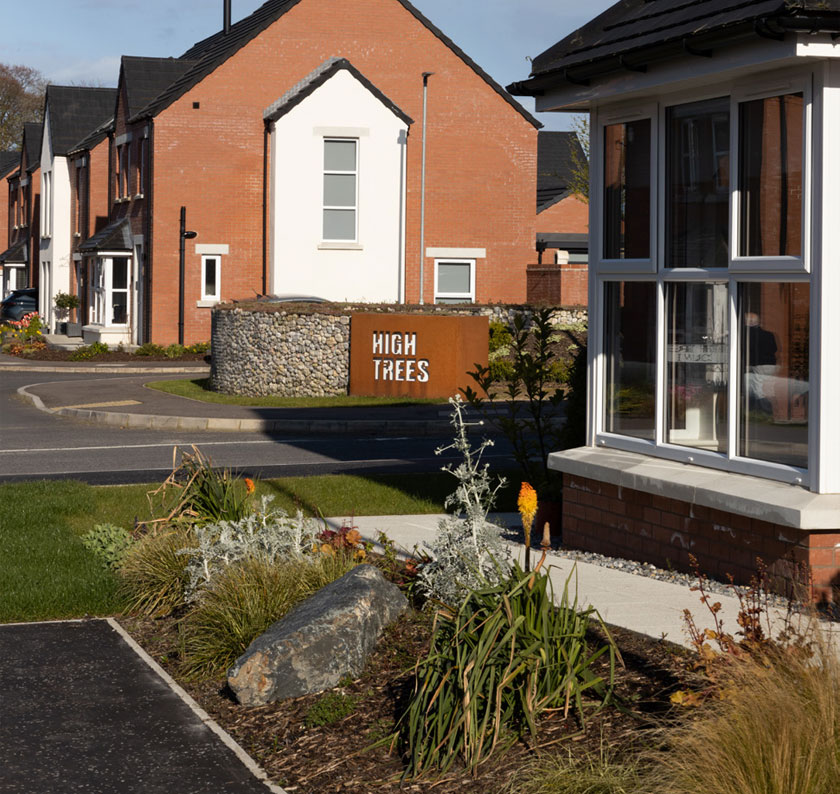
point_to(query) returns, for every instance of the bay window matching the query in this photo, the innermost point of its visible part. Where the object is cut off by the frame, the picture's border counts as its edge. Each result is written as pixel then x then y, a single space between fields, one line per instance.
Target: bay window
pixel 110 280
pixel 702 279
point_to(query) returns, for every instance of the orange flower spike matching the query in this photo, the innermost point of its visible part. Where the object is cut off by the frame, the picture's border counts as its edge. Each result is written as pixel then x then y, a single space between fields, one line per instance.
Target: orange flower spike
pixel 249 485
pixel 527 505
pixel 354 537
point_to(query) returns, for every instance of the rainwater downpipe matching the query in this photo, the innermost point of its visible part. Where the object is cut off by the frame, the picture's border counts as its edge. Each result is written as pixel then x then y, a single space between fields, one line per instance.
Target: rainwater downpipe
pixel 426 76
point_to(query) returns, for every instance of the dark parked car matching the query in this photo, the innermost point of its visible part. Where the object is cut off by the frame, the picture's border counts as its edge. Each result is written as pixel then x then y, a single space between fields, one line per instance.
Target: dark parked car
pixel 18 303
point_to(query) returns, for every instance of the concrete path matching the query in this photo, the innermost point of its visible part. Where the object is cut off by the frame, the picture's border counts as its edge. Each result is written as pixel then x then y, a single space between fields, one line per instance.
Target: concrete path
pixel 631 601
pixel 85 710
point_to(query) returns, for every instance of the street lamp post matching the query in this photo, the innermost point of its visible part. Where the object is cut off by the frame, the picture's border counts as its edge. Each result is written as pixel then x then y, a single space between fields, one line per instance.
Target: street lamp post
pixel 184 235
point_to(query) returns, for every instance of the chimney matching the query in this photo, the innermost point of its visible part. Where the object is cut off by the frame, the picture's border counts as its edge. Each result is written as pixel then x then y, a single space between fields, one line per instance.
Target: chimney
pixel 227 17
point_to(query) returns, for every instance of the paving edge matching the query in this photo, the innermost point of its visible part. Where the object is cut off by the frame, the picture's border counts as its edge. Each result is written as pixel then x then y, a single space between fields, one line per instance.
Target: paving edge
pixel 252 766
pixel 408 427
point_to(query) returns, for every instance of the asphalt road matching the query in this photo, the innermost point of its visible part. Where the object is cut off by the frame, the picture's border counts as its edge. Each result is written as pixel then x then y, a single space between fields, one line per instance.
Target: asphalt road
pixel 36 445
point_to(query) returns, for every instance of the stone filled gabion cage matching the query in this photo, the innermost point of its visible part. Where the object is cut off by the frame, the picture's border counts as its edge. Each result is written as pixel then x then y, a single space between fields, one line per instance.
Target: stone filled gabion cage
pixel 264 349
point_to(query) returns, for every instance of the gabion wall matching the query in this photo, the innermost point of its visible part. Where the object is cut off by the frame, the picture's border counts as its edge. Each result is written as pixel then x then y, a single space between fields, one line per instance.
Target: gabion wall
pixel 260 352
pixel 264 353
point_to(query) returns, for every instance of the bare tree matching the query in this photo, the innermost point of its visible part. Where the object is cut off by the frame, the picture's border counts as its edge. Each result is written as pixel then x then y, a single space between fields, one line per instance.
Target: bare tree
pixel 21 100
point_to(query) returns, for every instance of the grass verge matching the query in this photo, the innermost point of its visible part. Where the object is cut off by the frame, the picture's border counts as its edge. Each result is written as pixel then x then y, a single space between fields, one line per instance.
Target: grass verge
pixel 47 573
pixel 199 389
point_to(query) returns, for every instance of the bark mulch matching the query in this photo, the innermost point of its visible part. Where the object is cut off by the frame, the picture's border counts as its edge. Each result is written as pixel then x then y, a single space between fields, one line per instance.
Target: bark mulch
pixel 351 754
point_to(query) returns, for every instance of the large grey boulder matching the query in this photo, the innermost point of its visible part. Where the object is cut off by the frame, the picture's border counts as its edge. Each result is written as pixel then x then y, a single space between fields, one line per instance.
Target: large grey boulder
pixel 320 641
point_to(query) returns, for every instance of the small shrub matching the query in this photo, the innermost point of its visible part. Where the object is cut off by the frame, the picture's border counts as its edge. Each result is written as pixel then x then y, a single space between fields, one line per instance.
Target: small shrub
pixel 198 347
pixel 149 349
pixel 467 552
pixel 494 665
pixel 86 352
pixel 65 301
pixel 153 572
pixel 243 601
pixel 174 350
pixel 269 534
pixel 330 708
pixel 108 542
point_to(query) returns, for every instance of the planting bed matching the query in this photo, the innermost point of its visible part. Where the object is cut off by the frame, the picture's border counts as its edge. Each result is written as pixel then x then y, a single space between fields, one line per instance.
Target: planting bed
pixel 344 756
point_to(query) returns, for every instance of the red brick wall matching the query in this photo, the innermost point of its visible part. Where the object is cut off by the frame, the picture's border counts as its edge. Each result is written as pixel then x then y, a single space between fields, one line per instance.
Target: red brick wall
pixel 626 523
pixel 568 216
pixel 481 155
pixel 558 285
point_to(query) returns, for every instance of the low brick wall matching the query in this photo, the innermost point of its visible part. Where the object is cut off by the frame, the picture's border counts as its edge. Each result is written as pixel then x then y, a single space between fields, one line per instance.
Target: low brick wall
pixel 558 285
pixel 261 350
pixel 615 521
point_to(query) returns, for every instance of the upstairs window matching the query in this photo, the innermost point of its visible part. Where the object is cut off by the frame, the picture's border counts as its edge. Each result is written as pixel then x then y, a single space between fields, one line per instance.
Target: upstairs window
pixel 123 166
pixel 210 278
pixel 340 207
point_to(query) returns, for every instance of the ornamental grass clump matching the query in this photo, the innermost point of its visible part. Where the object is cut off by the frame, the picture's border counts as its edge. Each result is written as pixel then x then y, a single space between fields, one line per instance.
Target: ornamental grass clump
pixel 468 552
pixel 495 664
pixel 244 600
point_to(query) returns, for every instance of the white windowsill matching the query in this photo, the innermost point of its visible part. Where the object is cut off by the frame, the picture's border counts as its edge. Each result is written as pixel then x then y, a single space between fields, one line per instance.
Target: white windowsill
pixel 756 497
pixel 207 304
pixel 339 246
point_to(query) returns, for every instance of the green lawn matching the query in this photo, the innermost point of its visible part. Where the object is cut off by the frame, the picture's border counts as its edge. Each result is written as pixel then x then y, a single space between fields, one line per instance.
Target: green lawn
pixel 46 572
pixel 199 389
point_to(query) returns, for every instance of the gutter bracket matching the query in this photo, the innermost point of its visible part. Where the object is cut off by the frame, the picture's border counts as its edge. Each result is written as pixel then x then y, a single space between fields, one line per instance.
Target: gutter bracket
pixel 623 61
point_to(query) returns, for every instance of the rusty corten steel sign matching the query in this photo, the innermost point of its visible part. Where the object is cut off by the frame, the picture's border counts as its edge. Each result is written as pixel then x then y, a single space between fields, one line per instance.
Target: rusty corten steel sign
pixel 415 355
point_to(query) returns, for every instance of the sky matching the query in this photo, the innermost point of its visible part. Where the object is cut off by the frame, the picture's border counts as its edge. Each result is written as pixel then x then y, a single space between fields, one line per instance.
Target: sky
pixel 81 41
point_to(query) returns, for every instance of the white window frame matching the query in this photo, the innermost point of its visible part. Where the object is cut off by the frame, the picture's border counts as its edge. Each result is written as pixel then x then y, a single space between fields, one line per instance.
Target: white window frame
pixel 205 260
pixel 740 270
pixel 468 298
pixel 102 286
pixel 46 206
pixel 621 114
pixel 325 206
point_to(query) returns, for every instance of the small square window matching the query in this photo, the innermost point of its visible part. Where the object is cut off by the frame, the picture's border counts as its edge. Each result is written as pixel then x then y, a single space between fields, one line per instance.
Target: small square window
pixel 454 281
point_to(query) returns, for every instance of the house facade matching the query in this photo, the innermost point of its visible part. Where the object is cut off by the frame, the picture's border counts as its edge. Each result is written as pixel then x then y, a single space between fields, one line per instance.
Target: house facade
pixel 714 185
pixel 19 260
pixel 296 149
pixel 70 114
pixel 9 163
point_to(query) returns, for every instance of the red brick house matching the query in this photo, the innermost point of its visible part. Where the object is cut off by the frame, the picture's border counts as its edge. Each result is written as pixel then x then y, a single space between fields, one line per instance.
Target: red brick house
pixel 9 163
pixel 271 134
pixel 19 259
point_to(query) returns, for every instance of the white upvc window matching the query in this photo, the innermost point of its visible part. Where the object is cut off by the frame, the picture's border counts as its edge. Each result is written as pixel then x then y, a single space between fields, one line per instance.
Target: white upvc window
pixel 111 279
pixel 46 205
pixel 340 216
pixel 702 351
pixel 211 275
pixel 454 280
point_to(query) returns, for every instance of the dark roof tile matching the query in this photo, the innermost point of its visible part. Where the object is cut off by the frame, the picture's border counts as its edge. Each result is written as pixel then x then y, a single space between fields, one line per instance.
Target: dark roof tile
pixel 147 78
pixel 32 133
pixel 116 236
pixel 556 154
pixel 75 112
pixel 9 160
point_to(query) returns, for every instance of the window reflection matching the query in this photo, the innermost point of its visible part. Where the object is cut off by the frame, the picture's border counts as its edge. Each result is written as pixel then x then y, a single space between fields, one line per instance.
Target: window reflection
pixel 774 372
pixel 697 184
pixel 771 176
pixel 697 365
pixel 630 337
pixel 627 190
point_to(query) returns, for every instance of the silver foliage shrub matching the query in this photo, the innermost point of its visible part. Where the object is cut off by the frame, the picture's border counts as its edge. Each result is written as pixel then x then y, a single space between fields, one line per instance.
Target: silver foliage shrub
pixel 467 552
pixel 268 533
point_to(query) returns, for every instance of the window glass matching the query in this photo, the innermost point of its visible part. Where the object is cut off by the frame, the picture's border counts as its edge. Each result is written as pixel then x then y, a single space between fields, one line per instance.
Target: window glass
pixel 339 224
pixel 773 372
pixel 454 277
pixel 340 155
pixel 120 273
pixel 630 348
pixel 627 190
pixel 697 184
pixel 771 176
pixel 119 291
pixel 210 288
pixel 340 190
pixel 697 356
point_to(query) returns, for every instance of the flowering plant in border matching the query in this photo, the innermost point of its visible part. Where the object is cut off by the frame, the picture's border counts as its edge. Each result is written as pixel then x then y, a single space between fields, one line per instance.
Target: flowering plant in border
pixel 527 506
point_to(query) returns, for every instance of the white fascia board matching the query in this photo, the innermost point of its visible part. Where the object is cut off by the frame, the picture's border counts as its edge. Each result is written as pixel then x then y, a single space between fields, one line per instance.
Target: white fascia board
pixel 675 75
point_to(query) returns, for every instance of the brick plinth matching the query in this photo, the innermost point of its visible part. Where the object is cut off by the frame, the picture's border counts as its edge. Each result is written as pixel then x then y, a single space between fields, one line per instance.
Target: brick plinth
pixel 557 285
pixel 615 521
